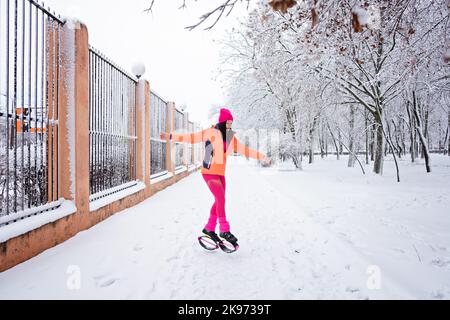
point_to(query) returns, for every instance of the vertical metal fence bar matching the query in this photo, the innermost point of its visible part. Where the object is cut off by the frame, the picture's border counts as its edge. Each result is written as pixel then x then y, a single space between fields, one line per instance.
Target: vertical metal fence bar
pixel 1 111
pixel 95 121
pixel 50 101
pixel 58 78
pixel 28 127
pixel 43 103
pixel 53 97
pixel 21 127
pixel 133 101
pixel 124 130
pixel 129 132
pixel 106 118
pixel 110 131
pixel 14 143
pixel 99 124
pixel 107 122
pixel 111 127
pixel 133 152
pixel 36 60
pixel 90 119
pixel 115 125
pixel 7 104
pixel 108 125
pixel 102 122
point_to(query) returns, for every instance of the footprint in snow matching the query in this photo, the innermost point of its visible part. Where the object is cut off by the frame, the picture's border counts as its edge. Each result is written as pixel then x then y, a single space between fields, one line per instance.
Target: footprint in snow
pixel 352 289
pixel 104 281
pixel 172 258
pixel 440 262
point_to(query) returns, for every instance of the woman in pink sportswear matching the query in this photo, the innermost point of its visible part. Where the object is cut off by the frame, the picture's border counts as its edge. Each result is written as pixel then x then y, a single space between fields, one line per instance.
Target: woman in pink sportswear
pixel 218 140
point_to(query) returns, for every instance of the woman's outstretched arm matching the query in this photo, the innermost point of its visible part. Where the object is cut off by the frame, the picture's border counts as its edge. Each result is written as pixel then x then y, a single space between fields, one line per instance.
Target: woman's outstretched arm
pixel 246 151
pixel 192 138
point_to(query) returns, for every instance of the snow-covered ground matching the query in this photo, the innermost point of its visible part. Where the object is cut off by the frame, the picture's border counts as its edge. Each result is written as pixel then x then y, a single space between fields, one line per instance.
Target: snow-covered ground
pixel 327 232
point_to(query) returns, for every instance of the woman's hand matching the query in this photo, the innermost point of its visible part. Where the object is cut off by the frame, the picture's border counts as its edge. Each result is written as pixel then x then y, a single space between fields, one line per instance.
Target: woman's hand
pixel 266 162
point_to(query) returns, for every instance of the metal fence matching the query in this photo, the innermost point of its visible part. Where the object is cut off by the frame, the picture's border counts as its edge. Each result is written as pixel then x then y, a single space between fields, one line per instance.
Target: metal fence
pixel 158 153
pixel 29 90
pixel 112 126
pixel 179 146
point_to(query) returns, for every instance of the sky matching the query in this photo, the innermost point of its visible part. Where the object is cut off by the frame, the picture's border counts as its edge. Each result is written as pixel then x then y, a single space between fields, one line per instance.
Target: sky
pixel 181 65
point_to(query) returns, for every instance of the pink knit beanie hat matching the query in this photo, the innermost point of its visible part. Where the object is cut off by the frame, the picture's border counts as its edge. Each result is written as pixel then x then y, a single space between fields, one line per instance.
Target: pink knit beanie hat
pixel 225 115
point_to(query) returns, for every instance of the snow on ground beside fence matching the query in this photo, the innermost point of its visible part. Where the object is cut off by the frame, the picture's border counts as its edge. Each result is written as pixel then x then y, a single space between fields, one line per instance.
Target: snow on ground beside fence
pixel 325 232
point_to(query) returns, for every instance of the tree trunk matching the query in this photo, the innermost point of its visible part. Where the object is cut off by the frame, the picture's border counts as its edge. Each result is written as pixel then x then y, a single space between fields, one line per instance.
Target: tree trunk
pixel 379 151
pixel 366 118
pixel 448 131
pixel 372 143
pixel 351 157
pixel 311 140
pixel 402 134
pixel 322 141
pixel 397 146
pixel 334 140
pixel 424 128
pixel 412 127
pixel 422 137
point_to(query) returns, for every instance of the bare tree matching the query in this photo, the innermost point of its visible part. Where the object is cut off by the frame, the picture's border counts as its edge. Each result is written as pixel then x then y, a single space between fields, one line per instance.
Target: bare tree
pixel 220 10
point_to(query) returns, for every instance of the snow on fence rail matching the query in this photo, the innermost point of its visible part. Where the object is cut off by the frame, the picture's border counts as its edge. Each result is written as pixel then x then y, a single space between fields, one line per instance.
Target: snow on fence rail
pixel 29 91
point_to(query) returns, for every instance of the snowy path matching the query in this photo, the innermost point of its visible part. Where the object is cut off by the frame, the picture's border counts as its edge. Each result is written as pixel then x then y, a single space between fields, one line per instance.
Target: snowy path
pixel 315 234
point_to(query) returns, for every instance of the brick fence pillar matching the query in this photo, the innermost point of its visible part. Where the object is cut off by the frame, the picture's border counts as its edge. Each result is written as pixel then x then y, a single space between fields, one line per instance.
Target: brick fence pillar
pixel 75 126
pixel 143 131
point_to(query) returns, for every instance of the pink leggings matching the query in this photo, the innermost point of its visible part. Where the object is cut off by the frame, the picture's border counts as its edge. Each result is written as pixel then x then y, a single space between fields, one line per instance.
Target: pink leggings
pixel 216 183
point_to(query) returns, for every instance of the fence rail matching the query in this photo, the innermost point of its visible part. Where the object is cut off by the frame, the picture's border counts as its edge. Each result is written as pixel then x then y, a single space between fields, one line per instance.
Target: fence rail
pixel 29 104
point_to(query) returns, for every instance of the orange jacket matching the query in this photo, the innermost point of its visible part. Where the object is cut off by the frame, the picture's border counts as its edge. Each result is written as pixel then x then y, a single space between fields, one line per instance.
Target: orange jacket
pixel 215 158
